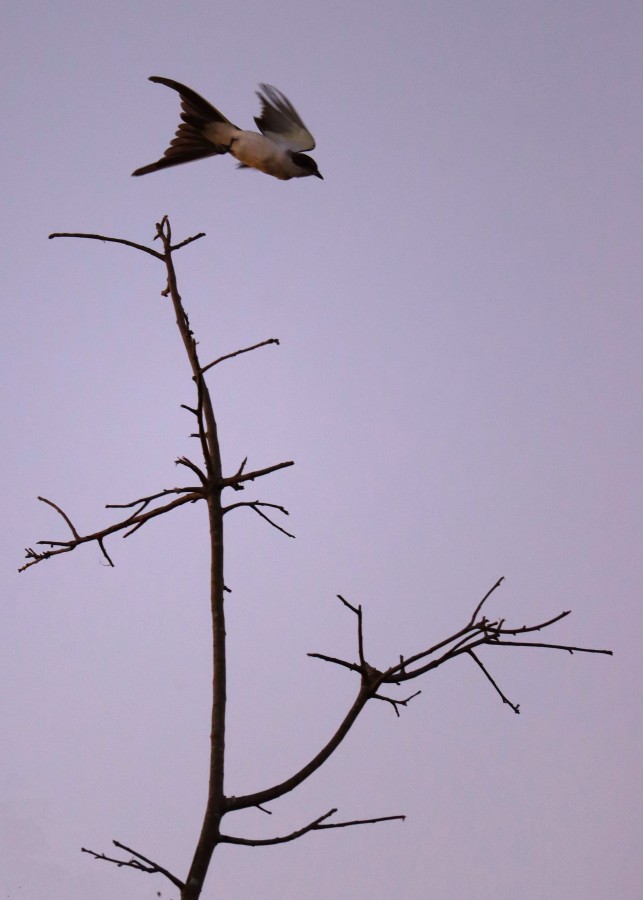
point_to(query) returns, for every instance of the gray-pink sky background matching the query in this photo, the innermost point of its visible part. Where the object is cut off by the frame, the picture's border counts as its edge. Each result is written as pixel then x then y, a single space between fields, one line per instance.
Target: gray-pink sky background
pixel 458 381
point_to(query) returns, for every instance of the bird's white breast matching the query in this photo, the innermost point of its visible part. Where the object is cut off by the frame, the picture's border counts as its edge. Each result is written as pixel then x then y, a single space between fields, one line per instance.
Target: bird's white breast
pixel 259 152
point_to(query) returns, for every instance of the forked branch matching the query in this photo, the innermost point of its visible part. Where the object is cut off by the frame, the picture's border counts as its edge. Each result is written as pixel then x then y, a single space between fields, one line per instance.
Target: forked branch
pixel 317 825
pixel 138 861
pixel 476 633
pixel 131 523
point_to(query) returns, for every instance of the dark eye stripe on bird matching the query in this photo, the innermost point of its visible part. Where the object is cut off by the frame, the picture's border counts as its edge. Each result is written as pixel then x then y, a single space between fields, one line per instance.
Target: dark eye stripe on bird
pixel 204 131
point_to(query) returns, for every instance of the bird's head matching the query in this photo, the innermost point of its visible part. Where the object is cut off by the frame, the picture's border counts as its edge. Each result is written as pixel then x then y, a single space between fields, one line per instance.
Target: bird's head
pixel 307 163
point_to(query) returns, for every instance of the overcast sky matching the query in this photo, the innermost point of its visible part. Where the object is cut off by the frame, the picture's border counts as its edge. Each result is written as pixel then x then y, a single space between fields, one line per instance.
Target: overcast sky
pixel 458 381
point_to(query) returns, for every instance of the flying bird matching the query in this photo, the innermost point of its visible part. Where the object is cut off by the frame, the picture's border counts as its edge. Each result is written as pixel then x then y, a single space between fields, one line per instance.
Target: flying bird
pixel 204 131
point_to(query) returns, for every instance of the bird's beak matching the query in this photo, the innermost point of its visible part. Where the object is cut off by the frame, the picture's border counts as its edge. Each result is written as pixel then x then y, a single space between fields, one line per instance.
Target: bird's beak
pixel 319 175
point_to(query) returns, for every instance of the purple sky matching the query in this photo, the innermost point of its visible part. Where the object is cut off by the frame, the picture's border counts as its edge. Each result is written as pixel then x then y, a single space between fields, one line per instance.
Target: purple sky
pixel 458 381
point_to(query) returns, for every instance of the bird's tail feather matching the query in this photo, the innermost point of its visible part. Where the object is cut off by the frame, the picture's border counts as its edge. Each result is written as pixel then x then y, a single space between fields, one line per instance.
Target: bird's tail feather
pixel 189 142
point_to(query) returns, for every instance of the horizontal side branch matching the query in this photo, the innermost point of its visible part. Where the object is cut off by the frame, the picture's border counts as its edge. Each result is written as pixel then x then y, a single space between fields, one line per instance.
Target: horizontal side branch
pixel 241 476
pixel 131 523
pixel 318 825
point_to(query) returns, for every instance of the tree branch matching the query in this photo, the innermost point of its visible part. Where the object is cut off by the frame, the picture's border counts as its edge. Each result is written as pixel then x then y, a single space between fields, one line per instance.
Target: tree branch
pixel 238 352
pixel 181 244
pixel 473 635
pixel 137 520
pixel 258 473
pixel 354 667
pixel 151 868
pixel 361 822
pixel 184 461
pixel 568 647
pixel 313 826
pixel 278 790
pixel 514 706
pixel 112 240
pixel 484 599
pixel 395 703
pixel 143 502
pixel 267 842
pixel 254 505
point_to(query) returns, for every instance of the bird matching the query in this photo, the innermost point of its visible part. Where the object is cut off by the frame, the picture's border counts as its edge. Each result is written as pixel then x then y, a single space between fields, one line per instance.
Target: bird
pixel 204 131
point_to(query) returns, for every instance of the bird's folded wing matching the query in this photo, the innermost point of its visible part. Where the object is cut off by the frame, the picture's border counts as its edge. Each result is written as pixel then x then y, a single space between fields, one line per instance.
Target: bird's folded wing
pixel 280 121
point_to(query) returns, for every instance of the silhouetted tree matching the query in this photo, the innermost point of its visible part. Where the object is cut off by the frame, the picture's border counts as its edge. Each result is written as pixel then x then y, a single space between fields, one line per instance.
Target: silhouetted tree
pixel 208 486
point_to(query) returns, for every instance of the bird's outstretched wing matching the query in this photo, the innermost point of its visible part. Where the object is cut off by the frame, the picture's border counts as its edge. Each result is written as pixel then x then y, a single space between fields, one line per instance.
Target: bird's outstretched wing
pixel 203 132
pixel 280 121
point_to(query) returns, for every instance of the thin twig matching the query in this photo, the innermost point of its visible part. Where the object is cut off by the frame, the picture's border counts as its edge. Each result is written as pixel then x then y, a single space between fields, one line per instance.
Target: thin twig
pixel 147 500
pixel 101 544
pixel 348 605
pixel 195 237
pixel 151 868
pixel 184 461
pixel 485 598
pixel 111 240
pixel 395 703
pixel 361 822
pixel 338 662
pixel 64 515
pixel 567 647
pixel 254 505
pixel 357 610
pixel 514 706
pixel 98 536
pixel 524 629
pixel 250 476
pixel 238 352
pixel 266 842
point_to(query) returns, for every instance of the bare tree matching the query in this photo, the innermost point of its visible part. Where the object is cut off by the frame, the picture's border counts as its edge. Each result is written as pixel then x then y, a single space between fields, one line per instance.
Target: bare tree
pixel 208 485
